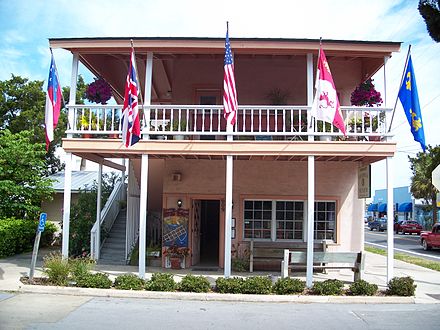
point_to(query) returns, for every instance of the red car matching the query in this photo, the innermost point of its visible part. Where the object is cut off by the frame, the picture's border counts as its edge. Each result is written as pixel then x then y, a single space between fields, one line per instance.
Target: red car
pixel 407 227
pixel 430 239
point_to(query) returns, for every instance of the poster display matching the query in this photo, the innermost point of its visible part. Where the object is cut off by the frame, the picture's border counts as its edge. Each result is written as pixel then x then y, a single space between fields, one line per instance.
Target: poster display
pixel 175 227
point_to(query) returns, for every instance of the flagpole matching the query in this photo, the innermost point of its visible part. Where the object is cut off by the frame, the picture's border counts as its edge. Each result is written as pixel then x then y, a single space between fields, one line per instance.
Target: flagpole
pixel 401 81
pixel 56 72
pixel 139 82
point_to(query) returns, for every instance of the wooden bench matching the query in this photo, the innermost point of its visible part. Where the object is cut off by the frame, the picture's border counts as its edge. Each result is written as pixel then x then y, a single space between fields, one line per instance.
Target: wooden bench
pixel 324 260
pixel 272 253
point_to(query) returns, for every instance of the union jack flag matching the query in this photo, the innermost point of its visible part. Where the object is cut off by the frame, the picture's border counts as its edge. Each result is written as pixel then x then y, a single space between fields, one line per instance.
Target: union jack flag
pixel 131 128
pixel 230 103
pixel 53 102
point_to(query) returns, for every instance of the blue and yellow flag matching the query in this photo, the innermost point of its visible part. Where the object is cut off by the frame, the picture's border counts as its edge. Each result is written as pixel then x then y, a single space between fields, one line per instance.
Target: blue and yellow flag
pixel 409 97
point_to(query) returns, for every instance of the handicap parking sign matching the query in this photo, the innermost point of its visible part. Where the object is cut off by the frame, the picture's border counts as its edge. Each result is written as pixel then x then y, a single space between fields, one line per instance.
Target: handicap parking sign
pixel 42 223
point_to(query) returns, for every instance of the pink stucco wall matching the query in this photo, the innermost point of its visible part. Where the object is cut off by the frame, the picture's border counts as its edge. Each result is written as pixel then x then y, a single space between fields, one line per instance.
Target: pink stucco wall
pixel 272 180
pixel 256 77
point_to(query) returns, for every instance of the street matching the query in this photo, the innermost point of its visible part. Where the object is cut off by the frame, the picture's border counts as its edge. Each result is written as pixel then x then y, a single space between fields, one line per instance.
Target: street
pixel 44 311
pixel 409 244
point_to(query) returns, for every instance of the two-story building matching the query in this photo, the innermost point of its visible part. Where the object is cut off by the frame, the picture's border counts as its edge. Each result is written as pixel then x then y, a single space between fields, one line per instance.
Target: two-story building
pixel 276 177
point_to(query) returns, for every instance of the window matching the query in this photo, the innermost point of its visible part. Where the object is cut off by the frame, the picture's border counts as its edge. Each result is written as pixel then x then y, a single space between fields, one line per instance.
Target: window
pixel 257 219
pixel 285 220
pixel 290 218
pixel 325 220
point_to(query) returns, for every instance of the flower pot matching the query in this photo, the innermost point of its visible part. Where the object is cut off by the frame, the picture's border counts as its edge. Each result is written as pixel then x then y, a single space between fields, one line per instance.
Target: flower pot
pixel 175 262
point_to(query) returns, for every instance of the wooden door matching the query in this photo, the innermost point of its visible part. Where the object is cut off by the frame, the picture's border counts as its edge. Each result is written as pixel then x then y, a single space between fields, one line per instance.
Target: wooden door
pixel 195 232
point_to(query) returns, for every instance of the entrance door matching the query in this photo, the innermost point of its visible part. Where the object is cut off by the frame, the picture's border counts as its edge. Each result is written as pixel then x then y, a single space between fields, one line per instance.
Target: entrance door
pixel 209 232
pixel 195 246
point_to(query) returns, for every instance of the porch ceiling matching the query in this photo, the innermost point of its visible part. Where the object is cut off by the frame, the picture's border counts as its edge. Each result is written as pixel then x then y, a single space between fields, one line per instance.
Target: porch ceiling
pixel 109 57
pixel 99 149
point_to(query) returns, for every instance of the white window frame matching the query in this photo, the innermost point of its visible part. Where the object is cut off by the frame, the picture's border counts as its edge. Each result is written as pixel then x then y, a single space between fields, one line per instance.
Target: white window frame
pixel 273 222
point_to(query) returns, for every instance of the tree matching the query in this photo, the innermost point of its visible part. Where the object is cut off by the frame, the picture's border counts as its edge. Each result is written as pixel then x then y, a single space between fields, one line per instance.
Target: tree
pixel 421 182
pixel 22 107
pixel 83 214
pixel 22 182
pixel 430 11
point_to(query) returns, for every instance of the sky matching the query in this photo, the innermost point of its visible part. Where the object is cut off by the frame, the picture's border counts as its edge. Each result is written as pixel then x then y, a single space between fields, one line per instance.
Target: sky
pixel 26 26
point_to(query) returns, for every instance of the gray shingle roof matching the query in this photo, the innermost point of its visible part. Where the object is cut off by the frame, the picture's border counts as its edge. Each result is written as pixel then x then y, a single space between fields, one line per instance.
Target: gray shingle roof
pixel 80 180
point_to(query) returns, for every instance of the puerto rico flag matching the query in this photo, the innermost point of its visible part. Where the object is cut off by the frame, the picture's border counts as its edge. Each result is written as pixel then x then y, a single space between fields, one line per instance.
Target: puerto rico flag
pixel 326 103
pixel 131 128
pixel 230 103
pixel 53 102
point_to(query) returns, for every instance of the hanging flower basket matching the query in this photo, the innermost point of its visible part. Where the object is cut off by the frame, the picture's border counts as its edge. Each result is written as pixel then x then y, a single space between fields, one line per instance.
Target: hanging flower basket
pixel 99 91
pixel 366 95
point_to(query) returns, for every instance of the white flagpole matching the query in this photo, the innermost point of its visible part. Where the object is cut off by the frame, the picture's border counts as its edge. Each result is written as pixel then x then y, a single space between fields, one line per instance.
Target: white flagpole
pixel 401 81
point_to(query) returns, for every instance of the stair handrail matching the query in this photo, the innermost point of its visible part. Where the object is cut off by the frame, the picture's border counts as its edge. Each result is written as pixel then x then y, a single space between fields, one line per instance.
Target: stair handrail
pixel 108 216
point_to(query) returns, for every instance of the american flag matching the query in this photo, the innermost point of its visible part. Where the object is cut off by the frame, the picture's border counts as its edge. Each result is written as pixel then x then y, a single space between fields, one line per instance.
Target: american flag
pixel 53 102
pixel 230 103
pixel 131 128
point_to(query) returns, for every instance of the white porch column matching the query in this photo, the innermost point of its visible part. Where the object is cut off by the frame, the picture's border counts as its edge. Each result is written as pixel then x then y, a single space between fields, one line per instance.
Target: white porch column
pixel 228 215
pixel 390 220
pixel 66 205
pixel 143 216
pixel 72 95
pixel 148 91
pixel 309 92
pixel 310 218
pixel 98 213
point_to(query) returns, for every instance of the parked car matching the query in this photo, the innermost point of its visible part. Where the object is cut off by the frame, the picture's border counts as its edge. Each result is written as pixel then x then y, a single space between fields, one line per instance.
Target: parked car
pixel 407 226
pixel 430 239
pixel 378 224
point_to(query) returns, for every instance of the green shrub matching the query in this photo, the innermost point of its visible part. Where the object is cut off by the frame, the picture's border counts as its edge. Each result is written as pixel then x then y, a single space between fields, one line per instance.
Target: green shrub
pixel 229 285
pixel 401 286
pixel 56 269
pixel 240 265
pixel 17 236
pixel 129 282
pixel 328 288
pixel 98 280
pixel 80 267
pixel 191 283
pixel 362 288
pixel 288 286
pixel 257 285
pixel 161 282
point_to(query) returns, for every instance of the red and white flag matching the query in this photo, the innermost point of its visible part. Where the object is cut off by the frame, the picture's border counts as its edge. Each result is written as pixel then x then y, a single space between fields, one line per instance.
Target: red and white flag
pixel 131 128
pixel 326 103
pixel 53 102
pixel 230 103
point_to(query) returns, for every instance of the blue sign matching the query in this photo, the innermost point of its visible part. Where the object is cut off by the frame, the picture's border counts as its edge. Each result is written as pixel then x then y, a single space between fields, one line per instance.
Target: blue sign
pixel 42 224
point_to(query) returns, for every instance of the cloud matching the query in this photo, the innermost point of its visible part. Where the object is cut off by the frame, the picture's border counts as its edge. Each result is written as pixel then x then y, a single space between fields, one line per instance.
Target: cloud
pixel 26 53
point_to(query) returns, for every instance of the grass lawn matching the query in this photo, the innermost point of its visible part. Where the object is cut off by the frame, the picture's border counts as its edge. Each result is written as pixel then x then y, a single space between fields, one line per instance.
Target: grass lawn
pixel 434 265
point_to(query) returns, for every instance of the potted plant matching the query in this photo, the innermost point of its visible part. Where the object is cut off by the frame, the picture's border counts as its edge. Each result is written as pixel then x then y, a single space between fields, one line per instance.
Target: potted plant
pixel 277 96
pixel 87 121
pixel 98 91
pixel 179 128
pixel 176 256
pixel 365 95
pixel 324 127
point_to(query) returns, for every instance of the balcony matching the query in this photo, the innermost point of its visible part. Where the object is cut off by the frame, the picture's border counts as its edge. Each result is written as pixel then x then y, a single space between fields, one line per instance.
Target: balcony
pixel 199 122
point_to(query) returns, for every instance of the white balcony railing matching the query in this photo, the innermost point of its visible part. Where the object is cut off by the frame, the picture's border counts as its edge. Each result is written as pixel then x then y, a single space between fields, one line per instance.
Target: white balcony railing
pixel 195 121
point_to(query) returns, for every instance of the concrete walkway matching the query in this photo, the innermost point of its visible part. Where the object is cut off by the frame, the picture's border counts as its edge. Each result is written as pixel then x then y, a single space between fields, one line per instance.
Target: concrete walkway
pixel 428 282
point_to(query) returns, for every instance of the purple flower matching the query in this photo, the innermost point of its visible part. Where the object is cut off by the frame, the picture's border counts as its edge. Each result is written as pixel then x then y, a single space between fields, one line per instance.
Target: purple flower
pixel 366 95
pixel 99 91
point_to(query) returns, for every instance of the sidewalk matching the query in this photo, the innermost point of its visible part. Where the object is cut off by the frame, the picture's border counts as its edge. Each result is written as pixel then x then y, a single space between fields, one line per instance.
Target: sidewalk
pixel 428 282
